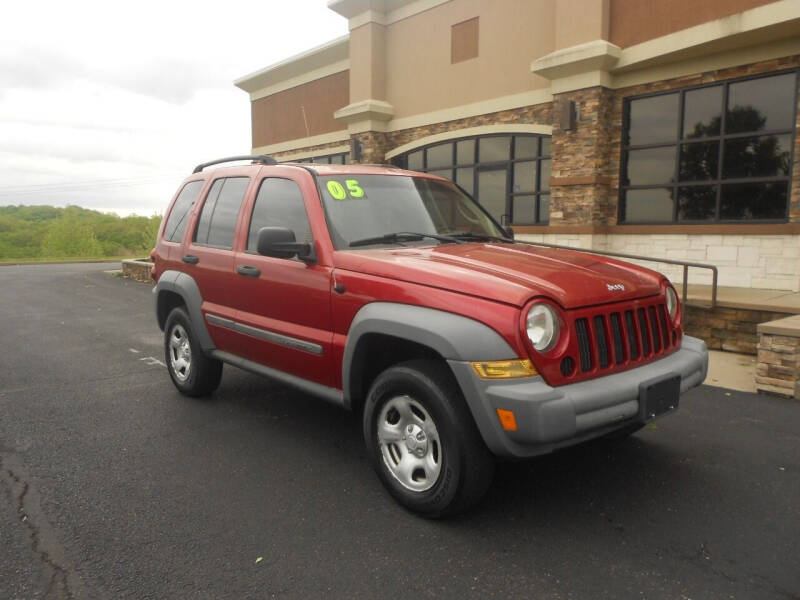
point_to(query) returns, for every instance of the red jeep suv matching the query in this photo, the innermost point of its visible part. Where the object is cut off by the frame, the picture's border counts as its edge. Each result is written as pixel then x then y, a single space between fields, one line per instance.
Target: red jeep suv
pixel 395 295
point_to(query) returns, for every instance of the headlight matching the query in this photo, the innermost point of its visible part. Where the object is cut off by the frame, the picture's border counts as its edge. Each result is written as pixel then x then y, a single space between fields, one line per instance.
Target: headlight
pixel 542 327
pixel 672 303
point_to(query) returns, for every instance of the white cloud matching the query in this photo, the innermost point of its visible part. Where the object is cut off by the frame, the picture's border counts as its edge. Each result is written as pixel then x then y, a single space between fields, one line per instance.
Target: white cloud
pixel 110 105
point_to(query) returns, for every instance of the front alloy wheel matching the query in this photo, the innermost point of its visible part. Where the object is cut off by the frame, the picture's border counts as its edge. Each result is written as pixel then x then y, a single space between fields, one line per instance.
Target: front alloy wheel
pixel 422 440
pixel 409 443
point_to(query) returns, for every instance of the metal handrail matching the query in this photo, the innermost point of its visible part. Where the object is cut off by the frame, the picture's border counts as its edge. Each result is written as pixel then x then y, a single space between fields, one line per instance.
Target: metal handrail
pixel 669 261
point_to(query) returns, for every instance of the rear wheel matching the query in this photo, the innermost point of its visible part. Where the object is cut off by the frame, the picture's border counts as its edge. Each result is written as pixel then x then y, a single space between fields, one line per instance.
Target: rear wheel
pixel 192 372
pixel 423 441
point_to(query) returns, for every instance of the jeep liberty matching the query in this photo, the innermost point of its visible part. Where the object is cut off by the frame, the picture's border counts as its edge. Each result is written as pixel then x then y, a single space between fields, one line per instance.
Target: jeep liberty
pixel 397 296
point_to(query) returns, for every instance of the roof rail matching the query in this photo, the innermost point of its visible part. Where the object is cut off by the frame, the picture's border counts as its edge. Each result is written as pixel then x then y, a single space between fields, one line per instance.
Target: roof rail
pixel 264 159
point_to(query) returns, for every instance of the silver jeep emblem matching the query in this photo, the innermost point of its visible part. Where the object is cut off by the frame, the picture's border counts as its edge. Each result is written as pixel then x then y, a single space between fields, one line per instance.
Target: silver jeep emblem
pixel 615 287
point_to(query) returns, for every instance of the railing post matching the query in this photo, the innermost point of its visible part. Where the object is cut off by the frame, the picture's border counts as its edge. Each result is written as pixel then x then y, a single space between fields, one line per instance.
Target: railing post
pixel 714 287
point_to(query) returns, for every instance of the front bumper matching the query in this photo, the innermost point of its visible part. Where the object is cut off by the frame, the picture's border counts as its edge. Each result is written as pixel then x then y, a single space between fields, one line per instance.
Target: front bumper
pixel 550 418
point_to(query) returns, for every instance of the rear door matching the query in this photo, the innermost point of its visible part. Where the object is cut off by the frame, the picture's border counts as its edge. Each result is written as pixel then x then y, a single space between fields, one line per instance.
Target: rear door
pixel 208 252
pixel 283 303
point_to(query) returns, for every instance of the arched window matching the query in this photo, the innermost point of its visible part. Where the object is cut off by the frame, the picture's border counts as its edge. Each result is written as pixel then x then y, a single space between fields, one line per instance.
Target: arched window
pixel 508 174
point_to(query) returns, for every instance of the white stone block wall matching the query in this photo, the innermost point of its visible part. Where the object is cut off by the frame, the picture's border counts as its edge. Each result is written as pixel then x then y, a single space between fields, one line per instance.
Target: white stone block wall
pixel 754 261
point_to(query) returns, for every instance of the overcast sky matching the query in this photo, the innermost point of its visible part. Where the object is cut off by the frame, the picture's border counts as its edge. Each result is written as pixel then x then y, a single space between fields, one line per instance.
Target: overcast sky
pixel 109 105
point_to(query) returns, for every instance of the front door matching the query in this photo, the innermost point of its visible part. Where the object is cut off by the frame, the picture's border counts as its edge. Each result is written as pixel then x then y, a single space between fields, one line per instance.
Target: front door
pixel 283 304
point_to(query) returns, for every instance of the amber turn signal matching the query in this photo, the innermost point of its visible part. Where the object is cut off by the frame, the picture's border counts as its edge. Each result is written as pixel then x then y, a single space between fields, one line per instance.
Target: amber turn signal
pixel 504 369
pixel 507 419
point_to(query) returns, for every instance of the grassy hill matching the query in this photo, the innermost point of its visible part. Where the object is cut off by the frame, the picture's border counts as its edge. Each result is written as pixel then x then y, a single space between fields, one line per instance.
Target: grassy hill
pixel 47 232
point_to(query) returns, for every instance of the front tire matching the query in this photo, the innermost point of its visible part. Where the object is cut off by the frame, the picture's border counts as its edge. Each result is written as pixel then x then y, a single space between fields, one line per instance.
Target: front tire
pixel 192 372
pixel 423 441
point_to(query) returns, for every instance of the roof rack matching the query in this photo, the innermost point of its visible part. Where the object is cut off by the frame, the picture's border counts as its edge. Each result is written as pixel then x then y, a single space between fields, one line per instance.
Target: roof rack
pixel 264 159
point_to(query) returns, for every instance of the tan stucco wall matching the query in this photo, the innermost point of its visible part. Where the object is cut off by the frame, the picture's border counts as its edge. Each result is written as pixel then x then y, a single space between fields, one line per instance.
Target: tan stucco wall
pixel 580 21
pixel 367 62
pixel 420 76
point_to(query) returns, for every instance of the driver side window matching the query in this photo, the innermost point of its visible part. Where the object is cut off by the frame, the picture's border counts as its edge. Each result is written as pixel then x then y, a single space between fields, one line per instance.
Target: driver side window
pixel 279 204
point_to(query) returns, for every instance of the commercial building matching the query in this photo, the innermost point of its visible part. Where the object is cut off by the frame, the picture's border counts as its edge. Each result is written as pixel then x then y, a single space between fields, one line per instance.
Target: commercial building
pixel 662 128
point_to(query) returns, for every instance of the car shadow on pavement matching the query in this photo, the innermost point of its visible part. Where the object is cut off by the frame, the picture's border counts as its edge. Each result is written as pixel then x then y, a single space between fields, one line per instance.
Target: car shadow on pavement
pixel 627 473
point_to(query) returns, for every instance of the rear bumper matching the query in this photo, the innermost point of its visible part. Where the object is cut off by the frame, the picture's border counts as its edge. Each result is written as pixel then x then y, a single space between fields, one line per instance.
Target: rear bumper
pixel 549 418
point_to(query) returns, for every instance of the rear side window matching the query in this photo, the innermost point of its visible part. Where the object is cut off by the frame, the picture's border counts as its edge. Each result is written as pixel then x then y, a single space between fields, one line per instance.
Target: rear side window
pixel 176 223
pixel 218 220
pixel 279 204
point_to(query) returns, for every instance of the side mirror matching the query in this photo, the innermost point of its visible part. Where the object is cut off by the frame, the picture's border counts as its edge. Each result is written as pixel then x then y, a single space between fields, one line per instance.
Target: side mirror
pixel 279 242
pixel 509 232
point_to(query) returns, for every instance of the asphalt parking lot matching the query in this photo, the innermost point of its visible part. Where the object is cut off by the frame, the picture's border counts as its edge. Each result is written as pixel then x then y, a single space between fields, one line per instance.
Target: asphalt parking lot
pixel 112 485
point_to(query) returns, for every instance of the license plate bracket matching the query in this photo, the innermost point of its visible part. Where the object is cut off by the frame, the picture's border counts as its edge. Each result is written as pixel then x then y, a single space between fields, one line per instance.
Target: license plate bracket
pixel 659 396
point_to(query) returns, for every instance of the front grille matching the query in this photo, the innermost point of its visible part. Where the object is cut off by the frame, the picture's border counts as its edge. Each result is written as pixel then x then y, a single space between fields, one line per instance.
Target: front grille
pixel 602 345
pixel 603 341
pixel 584 348
pixel 616 332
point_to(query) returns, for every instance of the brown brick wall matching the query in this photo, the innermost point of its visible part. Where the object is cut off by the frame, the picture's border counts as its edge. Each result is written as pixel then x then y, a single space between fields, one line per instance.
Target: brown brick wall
pixel 302 111
pixel 635 21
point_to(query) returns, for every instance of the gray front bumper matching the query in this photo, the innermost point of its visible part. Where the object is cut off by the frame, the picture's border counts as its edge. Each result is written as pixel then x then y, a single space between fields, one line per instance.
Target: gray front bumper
pixel 550 418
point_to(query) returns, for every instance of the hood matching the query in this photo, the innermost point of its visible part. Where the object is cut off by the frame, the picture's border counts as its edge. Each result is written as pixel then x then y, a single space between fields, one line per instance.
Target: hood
pixel 507 273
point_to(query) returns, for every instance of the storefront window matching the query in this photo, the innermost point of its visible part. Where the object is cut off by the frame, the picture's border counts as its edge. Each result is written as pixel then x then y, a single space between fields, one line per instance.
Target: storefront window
pixel 508 174
pixel 721 152
pixel 342 158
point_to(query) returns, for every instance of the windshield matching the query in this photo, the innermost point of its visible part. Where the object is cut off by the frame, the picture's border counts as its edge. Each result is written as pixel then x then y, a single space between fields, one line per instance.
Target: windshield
pixel 359 207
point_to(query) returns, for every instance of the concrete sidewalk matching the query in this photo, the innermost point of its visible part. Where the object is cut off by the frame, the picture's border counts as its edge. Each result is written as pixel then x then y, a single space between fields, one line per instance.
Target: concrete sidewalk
pixel 782 301
pixel 731 370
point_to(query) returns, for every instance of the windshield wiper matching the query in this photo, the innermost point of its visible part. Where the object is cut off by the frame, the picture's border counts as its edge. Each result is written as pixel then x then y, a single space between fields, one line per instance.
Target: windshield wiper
pixel 404 236
pixel 470 235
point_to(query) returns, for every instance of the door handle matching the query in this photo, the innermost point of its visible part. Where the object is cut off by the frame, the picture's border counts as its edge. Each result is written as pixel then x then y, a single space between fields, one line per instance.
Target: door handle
pixel 190 259
pixel 248 271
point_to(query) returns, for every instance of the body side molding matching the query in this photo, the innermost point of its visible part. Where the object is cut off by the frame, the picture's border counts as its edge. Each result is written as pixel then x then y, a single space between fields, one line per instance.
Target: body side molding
pixel 315 389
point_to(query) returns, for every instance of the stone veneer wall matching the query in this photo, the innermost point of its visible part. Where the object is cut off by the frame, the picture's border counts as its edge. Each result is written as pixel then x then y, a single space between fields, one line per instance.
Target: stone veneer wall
pixel 778 364
pixel 729 329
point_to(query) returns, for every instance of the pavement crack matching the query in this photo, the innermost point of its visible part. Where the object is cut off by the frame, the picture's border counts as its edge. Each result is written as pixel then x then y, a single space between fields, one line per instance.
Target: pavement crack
pixel 63 583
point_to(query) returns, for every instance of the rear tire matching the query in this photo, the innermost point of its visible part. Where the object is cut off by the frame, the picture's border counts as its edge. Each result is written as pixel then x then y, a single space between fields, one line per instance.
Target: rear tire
pixel 192 372
pixel 423 442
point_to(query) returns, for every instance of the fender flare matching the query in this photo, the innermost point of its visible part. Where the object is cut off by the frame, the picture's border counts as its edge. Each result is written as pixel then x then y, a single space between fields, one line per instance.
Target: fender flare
pixel 186 287
pixel 452 336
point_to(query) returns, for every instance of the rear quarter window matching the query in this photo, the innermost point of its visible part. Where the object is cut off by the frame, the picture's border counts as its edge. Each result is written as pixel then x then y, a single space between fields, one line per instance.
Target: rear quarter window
pixel 179 215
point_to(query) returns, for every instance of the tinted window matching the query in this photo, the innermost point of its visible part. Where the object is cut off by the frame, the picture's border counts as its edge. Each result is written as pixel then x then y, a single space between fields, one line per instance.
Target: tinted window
pixel 279 204
pixel 176 223
pixel 760 104
pixel 702 112
pixel 733 148
pixel 653 120
pixel 217 222
pixel 524 160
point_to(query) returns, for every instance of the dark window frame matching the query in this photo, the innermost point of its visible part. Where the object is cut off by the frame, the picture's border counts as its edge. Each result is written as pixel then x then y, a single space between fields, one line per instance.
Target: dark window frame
pixel 401 160
pixel 679 141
